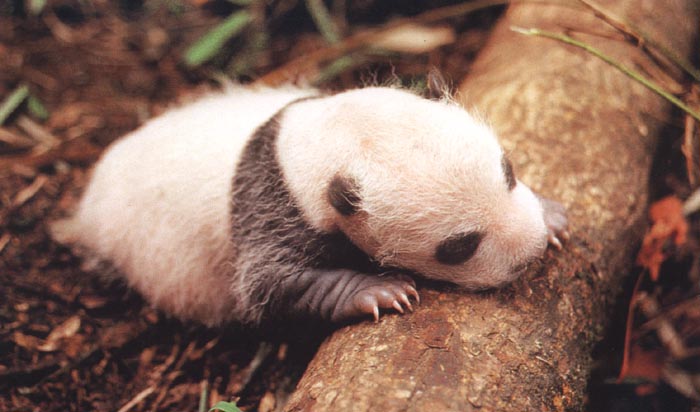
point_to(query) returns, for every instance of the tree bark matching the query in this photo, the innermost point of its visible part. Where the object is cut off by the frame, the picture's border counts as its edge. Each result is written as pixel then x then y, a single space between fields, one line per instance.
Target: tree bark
pixel 579 132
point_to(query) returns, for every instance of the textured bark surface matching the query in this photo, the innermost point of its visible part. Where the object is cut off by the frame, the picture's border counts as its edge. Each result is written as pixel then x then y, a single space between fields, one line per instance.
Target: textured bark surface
pixel 579 132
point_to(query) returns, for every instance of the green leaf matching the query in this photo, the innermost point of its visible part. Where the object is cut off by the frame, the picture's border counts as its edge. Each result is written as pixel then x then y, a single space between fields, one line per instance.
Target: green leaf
pixel 36 6
pixel 211 43
pixel 11 102
pixel 225 406
pixel 323 20
pixel 36 108
pixel 336 67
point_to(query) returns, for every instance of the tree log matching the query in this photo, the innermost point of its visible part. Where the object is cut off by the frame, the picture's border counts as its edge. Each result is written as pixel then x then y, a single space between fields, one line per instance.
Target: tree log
pixel 579 132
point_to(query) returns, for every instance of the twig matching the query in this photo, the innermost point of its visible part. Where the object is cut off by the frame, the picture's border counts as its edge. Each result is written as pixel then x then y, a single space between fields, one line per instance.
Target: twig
pixel 170 378
pixel 137 399
pixel 4 240
pixel 17 141
pixel 671 312
pixel 247 374
pixel 690 145
pixel 629 72
pixel 28 192
pixel 664 329
pixel 68 152
pixel 38 132
pixel 692 203
pixel 689 150
pixel 85 354
pixel 431 16
pixel 682 381
pixel 28 376
pixel 262 353
pixel 60 31
pixel 91 351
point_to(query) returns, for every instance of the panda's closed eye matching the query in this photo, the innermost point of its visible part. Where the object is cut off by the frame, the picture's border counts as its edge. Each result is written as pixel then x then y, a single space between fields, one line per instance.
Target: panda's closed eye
pixel 458 248
pixel 508 172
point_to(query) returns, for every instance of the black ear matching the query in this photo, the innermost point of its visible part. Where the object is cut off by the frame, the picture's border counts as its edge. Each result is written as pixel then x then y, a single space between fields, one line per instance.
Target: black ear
pixel 438 87
pixel 507 167
pixel 344 195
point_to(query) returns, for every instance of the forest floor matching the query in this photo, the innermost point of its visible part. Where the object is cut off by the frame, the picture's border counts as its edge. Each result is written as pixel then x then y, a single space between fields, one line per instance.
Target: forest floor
pixel 73 341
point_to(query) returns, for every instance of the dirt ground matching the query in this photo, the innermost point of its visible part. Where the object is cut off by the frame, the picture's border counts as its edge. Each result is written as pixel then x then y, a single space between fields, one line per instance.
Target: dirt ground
pixel 72 340
pixel 75 341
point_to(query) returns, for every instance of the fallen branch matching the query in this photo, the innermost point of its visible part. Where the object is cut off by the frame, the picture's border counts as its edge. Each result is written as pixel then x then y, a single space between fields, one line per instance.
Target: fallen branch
pixel 577 130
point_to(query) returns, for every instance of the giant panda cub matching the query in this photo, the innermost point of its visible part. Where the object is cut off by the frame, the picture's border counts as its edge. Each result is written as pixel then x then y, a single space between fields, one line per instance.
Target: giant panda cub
pixel 258 204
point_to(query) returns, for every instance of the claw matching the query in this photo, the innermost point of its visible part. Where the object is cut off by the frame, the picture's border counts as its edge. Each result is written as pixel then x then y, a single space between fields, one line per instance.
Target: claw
pixel 413 292
pixel 396 305
pixel 554 241
pixel 375 312
pixel 406 301
pixel 556 221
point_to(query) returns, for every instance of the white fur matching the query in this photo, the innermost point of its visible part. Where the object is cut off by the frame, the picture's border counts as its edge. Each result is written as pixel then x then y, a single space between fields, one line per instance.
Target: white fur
pixel 158 205
pixel 427 170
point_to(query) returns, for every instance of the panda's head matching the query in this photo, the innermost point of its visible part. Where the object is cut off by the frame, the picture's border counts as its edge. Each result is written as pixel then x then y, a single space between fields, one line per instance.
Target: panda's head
pixel 415 183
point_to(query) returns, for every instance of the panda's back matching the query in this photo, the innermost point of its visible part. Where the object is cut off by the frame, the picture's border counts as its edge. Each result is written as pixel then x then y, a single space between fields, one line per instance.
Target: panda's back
pixel 165 190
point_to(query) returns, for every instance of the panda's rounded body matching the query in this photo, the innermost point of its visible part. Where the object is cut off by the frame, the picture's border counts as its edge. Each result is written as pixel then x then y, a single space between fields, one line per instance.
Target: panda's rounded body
pixel 255 204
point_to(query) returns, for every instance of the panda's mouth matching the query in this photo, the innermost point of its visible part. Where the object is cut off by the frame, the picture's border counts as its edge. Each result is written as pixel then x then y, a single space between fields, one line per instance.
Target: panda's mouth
pixel 521 268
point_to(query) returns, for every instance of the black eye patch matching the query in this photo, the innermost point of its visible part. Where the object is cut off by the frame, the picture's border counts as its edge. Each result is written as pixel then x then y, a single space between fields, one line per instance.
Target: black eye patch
pixel 343 195
pixel 458 248
pixel 508 172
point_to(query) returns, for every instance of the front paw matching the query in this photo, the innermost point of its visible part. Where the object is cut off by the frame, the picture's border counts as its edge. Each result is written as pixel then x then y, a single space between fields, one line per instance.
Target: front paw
pixel 391 291
pixel 556 222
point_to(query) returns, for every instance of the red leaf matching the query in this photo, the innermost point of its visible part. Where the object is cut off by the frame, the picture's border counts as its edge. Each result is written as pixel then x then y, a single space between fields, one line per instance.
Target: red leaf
pixel 667 222
pixel 644 363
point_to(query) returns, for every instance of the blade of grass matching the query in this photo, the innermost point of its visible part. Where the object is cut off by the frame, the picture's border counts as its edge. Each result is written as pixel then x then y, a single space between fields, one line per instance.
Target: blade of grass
pixel 627 71
pixel 211 43
pixel 11 102
pixel 36 108
pixel 203 397
pixel 627 28
pixel 365 38
pixel 335 68
pixel 324 22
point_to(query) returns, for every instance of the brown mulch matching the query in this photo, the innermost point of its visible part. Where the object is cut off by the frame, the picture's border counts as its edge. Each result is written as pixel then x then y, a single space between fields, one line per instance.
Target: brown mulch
pixel 72 340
